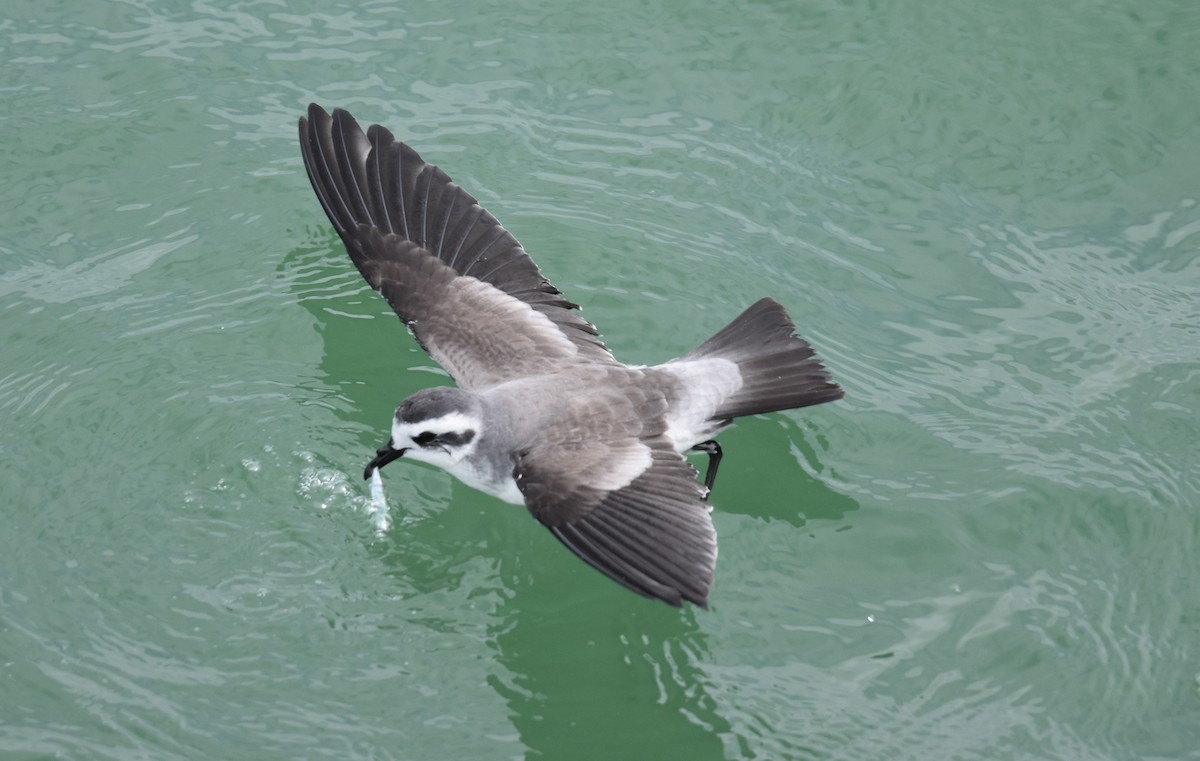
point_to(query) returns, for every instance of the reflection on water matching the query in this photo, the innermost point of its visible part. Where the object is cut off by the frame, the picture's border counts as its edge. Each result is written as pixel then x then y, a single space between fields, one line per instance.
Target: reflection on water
pixel 983 218
pixel 1041 359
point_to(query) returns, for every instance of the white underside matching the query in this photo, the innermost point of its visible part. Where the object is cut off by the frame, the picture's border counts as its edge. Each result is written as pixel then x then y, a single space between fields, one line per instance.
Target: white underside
pixel 505 489
pixel 706 383
pixel 631 462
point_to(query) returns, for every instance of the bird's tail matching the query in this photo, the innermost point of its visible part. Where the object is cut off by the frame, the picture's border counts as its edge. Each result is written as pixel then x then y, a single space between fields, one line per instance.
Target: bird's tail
pixel 780 371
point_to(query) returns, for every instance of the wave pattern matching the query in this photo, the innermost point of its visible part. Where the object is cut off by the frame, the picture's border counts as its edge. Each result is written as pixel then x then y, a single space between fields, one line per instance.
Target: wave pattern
pixel 983 218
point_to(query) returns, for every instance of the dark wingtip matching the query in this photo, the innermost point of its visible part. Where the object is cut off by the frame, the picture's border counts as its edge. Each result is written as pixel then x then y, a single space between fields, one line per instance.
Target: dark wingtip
pixel 315 114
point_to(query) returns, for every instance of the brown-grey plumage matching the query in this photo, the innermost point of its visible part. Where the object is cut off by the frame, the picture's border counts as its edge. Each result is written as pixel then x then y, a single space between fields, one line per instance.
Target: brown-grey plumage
pixel 544 415
pixel 374 183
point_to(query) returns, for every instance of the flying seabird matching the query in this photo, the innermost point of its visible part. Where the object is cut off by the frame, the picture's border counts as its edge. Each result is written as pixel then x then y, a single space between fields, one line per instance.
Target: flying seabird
pixel 543 415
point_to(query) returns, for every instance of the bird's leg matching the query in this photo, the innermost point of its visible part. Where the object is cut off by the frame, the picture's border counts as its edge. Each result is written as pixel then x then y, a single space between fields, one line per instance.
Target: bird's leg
pixel 713 450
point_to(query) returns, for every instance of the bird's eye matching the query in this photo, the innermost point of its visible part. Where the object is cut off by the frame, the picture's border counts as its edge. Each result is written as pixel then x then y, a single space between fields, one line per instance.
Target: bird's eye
pixel 424 437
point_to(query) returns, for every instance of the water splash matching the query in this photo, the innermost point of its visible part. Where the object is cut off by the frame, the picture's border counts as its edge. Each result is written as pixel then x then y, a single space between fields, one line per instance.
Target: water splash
pixel 377 507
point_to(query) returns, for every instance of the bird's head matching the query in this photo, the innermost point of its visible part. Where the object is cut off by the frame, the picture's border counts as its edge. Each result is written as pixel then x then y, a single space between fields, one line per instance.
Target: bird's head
pixel 439 425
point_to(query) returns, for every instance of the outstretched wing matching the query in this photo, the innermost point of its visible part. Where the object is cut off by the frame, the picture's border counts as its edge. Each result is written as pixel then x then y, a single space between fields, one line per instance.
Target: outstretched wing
pixel 402 219
pixel 623 500
pixel 654 535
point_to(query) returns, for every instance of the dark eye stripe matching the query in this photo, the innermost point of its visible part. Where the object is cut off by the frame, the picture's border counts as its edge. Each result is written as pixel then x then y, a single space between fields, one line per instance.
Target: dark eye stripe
pixel 450 438
pixel 456 439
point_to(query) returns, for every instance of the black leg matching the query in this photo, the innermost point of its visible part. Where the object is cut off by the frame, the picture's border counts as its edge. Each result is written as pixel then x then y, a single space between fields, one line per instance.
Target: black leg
pixel 713 450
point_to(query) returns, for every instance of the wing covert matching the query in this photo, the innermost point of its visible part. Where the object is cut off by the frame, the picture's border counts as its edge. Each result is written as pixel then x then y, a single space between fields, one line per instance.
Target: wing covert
pixel 654 535
pixel 454 318
pixel 372 181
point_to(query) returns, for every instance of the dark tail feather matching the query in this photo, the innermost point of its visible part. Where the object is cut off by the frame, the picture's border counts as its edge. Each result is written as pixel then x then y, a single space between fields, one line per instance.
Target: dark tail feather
pixel 780 370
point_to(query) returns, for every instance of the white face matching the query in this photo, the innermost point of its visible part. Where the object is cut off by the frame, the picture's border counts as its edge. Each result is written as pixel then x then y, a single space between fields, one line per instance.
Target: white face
pixel 442 441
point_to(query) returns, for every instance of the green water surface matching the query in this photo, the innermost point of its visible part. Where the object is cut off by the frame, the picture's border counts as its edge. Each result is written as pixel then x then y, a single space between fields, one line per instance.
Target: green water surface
pixel 983 215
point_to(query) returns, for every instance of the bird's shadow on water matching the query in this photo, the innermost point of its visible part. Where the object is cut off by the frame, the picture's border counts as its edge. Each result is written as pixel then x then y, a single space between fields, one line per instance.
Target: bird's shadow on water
pixel 590 666
pixel 586 667
pixel 770 471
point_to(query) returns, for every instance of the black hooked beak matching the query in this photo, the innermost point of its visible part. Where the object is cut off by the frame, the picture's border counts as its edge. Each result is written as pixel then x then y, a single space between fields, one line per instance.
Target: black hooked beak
pixel 383 456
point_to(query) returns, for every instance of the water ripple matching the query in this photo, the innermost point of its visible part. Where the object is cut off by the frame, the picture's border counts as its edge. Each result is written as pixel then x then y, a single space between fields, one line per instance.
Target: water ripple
pixel 35 388
pixel 1065 338
pixel 93 275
